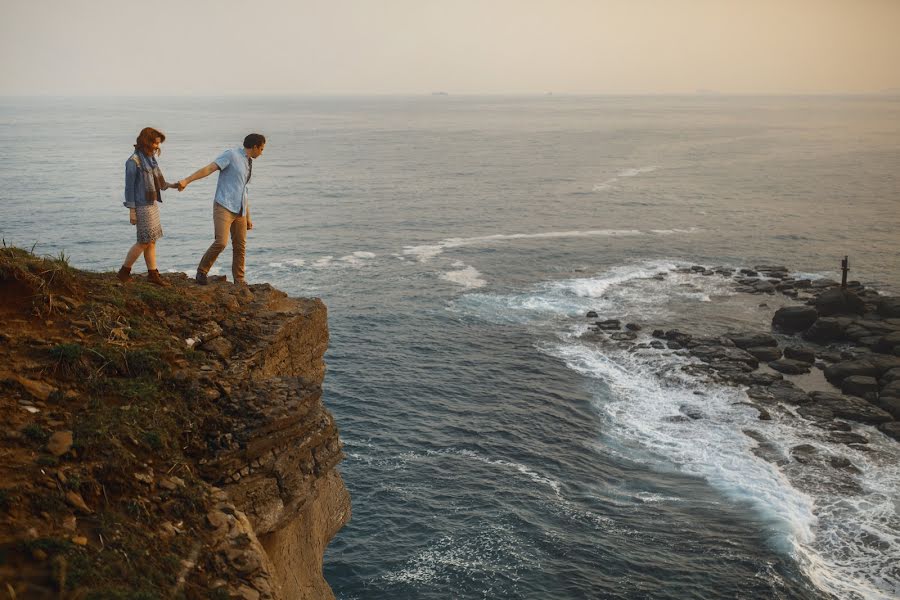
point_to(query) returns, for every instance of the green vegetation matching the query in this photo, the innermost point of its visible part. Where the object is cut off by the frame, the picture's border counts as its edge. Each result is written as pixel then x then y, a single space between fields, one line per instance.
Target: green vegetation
pixel 35 433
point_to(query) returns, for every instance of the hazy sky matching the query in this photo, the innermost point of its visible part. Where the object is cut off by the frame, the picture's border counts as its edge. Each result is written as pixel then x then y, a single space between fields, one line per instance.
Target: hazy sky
pixel 175 47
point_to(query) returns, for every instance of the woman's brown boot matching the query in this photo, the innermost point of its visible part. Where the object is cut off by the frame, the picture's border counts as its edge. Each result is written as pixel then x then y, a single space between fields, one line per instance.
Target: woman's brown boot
pixel 154 277
pixel 124 274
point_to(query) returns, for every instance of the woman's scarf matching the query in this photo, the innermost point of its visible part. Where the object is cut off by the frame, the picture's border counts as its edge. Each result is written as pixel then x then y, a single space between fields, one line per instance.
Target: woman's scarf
pixel 153 177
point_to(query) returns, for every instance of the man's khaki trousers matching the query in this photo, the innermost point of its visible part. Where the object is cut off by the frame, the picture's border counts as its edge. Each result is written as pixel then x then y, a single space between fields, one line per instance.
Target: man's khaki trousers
pixel 226 221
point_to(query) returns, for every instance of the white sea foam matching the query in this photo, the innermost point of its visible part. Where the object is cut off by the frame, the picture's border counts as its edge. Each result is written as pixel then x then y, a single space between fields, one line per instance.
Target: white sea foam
pixel 468 277
pixel 847 544
pixel 636 171
pixel 426 252
pixel 357 259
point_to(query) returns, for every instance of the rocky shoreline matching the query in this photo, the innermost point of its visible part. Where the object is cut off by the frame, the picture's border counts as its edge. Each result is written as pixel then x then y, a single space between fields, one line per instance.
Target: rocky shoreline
pixel 845 342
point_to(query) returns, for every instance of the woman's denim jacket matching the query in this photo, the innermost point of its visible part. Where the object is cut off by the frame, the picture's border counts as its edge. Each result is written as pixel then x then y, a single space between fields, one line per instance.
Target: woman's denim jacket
pixel 135 188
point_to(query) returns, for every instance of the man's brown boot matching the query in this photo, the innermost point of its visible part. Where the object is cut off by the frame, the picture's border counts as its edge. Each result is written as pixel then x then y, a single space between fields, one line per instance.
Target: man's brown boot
pixel 154 277
pixel 124 274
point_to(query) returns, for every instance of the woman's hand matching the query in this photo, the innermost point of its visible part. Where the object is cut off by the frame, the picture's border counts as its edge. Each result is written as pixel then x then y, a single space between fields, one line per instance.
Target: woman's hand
pixel 132 216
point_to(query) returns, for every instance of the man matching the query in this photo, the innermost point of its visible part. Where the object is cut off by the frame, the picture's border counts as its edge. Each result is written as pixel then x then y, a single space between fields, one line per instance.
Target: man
pixel 231 210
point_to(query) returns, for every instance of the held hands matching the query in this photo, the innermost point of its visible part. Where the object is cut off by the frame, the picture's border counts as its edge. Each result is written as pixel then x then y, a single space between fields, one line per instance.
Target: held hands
pixel 182 184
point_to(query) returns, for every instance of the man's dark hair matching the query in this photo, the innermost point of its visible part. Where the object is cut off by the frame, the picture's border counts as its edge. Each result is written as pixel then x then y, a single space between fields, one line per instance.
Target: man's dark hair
pixel 254 139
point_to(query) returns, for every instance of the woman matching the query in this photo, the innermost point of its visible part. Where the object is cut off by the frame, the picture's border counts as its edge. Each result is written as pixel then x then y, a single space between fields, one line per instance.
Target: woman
pixel 143 184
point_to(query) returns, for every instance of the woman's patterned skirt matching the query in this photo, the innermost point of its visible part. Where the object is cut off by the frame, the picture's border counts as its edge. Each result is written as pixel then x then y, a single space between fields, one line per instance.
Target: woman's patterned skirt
pixel 149 228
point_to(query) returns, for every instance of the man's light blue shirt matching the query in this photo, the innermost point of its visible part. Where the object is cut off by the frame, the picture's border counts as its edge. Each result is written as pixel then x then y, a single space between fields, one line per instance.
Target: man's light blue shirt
pixel 231 190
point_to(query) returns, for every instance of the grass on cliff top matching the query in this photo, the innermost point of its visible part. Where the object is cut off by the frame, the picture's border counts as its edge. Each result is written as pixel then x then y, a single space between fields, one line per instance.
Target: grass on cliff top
pixel 128 415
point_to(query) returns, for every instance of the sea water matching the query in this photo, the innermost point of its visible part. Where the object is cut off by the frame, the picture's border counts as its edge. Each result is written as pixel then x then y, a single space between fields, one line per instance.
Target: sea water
pixel 492 451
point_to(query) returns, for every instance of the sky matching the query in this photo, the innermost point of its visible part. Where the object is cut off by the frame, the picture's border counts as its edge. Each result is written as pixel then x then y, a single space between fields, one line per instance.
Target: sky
pixel 224 47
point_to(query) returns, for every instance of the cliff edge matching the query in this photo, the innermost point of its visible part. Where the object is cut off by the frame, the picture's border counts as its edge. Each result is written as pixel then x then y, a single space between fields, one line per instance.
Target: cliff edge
pixel 162 442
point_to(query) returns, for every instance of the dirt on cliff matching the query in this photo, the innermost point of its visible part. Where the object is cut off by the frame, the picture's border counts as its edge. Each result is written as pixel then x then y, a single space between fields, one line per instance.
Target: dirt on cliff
pixel 109 399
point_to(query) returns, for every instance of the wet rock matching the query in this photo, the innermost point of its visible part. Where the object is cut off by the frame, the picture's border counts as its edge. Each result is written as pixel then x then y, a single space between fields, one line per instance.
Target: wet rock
pixel 890 404
pixel 591 314
pixel 789 366
pixel 848 437
pixel 891 430
pixel 824 283
pixel 691 412
pixel 622 336
pixel 632 327
pixel 765 353
pixel 837 301
pixel 788 392
pixel 815 412
pixel 765 379
pixel 827 329
pixel 852 408
pixel 836 373
pixel 658 345
pixel 800 353
pixel 843 463
pixel 889 306
pixel 804 453
pixel 859 385
pixel 746 340
pixel 609 324
pixel 794 318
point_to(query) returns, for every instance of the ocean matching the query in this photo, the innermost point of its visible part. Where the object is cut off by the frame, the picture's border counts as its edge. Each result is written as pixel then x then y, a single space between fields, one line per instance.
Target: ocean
pixel 492 452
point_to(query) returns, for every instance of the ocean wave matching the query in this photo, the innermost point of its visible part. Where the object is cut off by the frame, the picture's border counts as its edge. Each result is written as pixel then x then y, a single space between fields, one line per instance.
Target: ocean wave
pixel 426 252
pixel 468 277
pixel 844 543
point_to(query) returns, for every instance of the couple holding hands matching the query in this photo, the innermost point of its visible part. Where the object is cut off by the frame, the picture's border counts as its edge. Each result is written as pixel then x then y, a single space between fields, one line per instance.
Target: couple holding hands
pixel 144 183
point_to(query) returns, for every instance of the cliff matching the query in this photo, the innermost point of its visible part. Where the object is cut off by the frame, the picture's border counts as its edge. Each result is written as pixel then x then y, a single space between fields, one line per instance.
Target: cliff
pixel 162 442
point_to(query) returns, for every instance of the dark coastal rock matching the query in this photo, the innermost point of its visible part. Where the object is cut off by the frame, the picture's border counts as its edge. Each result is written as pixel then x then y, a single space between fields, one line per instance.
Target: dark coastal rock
pixel 632 327
pixel 772 269
pixel 788 392
pixel 891 405
pixel 815 412
pixel 821 284
pixel 656 344
pixel 763 287
pixel 751 339
pixel 765 378
pixel 765 449
pixel 848 437
pixel 717 354
pixel 591 314
pixel 765 353
pixel 843 463
pixel 803 453
pixel 849 407
pixel 789 366
pixel 887 343
pixel 691 412
pixel 792 319
pixel 889 376
pixel 838 301
pixel 659 333
pixel 609 324
pixel 674 346
pixel 891 430
pixel 827 329
pixel 749 272
pixel 889 306
pixel 623 336
pixel 837 372
pixel 801 354
pixel 859 385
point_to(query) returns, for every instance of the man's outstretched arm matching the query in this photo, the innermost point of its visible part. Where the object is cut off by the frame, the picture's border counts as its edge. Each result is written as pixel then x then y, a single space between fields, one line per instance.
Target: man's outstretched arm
pixel 200 174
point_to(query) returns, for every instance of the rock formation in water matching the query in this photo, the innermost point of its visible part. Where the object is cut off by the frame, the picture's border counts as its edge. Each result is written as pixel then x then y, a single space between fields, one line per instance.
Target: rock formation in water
pixel 162 442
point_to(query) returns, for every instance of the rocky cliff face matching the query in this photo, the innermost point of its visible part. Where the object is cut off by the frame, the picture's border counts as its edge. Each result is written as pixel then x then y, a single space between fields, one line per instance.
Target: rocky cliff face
pixel 278 467
pixel 162 442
